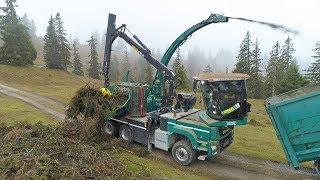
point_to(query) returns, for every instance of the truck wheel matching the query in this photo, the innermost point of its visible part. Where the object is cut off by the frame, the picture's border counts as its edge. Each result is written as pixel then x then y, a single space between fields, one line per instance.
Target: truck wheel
pixel 111 128
pixel 125 134
pixel 183 153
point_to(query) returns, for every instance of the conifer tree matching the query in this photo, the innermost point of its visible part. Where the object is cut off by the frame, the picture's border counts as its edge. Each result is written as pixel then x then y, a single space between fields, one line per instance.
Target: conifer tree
pixel 63 45
pixel 207 69
pixel 50 48
pixel 286 57
pixel 148 74
pixel 94 65
pixel 273 71
pixel 139 67
pixel 292 79
pixel 114 68
pixel 313 71
pixel 283 71
pixel 243 58
pixel 255 84
pixel 77 64
pixel 180 71
pixel 128 74
pixel 30 25
pixel 17 48
pixel 289 69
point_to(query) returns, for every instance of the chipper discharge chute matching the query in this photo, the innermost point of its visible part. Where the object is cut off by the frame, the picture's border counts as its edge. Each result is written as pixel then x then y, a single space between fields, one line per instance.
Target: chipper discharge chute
pixel 296 118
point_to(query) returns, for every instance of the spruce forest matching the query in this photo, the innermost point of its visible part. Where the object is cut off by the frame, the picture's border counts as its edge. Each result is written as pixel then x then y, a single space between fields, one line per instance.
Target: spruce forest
pixel 161 90
pixel 277 73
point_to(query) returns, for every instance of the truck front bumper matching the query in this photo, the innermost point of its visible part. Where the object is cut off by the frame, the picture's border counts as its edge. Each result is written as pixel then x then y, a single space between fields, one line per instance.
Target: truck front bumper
pixel 215 147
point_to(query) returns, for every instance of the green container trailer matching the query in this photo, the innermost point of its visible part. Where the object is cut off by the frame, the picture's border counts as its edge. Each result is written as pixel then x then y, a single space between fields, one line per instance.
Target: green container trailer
pixel 296 118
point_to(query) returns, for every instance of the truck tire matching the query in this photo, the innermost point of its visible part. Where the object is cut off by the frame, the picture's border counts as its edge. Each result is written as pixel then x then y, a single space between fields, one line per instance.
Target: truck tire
pixel 111 128
pixel 125 134
pixel 183 153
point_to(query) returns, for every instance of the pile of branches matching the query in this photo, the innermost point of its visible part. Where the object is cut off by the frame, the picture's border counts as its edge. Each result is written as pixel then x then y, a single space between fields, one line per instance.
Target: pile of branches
pixel 75 149
pixel 89 102
pixel 71 151
pixel 41 152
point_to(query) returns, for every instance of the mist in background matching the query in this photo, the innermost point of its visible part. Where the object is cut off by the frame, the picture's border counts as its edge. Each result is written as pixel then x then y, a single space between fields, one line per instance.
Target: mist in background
pixel 158 23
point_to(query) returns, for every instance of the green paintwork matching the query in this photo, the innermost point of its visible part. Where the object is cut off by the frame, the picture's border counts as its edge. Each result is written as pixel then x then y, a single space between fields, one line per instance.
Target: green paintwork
pixel 296 118
pixel 190 134
pixel 202 131
pixel 213 18
pixel 124 108
pixel 153 103
pixel 223 122
pixel 200 140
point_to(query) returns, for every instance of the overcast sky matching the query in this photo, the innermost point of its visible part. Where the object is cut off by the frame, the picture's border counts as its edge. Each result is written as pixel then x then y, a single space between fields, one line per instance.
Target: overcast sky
pixel 158 23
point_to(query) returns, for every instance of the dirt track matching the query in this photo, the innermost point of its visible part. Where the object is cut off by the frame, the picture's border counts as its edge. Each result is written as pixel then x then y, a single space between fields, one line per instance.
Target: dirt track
pixel 48 105
pixel 225 165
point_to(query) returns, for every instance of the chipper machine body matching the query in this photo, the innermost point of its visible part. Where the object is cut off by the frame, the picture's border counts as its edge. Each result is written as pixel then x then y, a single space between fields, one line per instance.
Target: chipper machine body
pixel 158 116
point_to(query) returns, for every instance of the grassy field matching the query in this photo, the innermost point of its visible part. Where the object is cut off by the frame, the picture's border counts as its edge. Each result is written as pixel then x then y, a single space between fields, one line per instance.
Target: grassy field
pixel 46 152
pixel 14 111
pixel 52 83
pixel 61 86
pixel 257 139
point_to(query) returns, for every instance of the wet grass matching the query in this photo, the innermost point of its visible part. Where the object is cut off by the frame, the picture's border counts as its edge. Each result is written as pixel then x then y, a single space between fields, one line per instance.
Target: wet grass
pixel 19 115
pixel 159 168
pixel 257 139
pixel 52 83
pixel 44 152
pixel 33 150
pixel 13 112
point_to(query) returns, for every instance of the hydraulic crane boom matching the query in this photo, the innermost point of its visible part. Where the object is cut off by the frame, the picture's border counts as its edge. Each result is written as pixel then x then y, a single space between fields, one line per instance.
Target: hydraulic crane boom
pixel 159 93
pixel 213 18
pixel 112 34
pixel 177 126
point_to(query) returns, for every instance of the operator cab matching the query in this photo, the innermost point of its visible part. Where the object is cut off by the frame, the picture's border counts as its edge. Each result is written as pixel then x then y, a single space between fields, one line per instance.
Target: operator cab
pixel 224 94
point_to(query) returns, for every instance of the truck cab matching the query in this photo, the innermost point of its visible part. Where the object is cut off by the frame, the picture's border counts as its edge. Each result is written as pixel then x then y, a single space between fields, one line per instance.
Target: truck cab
pixel 209 130
pixel 224 95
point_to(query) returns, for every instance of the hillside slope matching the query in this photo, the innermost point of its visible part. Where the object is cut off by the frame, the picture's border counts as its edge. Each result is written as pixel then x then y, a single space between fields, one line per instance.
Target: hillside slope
pixel 15 112
pixel 257 139
pixel 52 83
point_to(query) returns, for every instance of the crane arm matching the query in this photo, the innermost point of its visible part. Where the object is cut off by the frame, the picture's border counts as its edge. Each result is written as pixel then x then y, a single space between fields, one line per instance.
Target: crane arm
pixel 213 18
pixel 112 34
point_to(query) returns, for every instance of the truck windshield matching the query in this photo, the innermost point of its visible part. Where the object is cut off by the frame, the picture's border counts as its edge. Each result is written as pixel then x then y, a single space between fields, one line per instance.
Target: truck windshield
pixel 225 99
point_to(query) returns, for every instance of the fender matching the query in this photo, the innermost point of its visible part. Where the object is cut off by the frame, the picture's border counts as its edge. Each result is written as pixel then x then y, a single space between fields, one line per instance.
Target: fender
pixel 187 133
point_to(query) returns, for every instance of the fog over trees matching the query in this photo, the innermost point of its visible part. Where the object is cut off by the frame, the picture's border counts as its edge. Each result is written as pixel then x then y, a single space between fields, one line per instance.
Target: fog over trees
pixel 271 73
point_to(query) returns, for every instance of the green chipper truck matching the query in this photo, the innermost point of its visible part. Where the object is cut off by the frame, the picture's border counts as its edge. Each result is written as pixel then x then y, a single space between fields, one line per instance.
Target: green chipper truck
pixel 158 116
pixel 296 118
